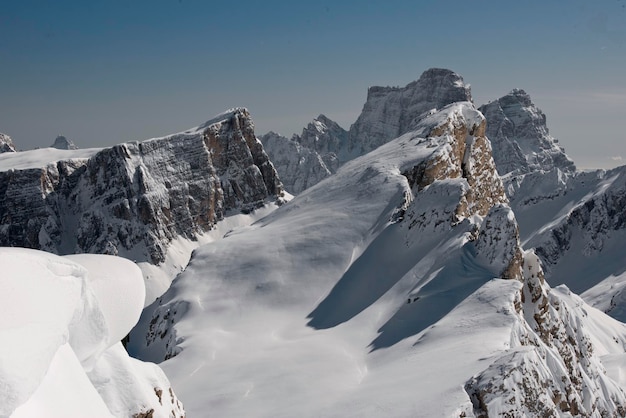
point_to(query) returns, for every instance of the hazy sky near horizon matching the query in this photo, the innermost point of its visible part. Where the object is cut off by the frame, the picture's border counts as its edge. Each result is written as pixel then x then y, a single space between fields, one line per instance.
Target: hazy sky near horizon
pixel 104 72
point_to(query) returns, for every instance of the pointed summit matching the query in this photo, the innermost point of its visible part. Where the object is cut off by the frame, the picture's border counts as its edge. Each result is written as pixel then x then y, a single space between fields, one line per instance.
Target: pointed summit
pixel 6 144
pixel 62 142
pixel 520 138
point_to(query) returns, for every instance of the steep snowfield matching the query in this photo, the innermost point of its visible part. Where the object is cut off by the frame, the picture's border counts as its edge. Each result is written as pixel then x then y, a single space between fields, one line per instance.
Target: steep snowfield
pixel 377 293
pixel 63 318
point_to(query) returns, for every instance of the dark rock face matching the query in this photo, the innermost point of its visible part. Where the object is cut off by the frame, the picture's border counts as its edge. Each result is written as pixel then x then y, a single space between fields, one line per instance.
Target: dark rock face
pixel 520 138
pixel 134 198
pixel 6 144
pixel 62 142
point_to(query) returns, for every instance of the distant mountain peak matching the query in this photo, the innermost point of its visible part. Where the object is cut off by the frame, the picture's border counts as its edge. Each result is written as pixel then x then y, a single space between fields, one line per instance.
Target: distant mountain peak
pixel 520 138
pixel 392 111
pixel 6 144
pixel 61 142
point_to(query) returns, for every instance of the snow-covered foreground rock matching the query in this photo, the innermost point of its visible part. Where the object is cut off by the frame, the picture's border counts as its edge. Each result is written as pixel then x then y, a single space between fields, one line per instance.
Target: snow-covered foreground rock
pixel 61 356
pixel 396 287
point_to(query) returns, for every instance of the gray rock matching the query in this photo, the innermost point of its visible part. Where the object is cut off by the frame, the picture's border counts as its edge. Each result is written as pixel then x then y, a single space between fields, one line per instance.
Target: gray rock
pixel 133 199
pixel 62 142
pixel 392 111
pixel 520 138
pixel 6 144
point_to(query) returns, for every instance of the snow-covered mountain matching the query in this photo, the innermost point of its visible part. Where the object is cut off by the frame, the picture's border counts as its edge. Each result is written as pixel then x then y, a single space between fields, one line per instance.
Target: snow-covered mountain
pixel 135 199
pixel 299 166
pixel 62 322
pixel 388 113
pixel 395 287
pixel 520 138
pixel 61 142
pixel 576 221
pixel 410 276
pixel 6 144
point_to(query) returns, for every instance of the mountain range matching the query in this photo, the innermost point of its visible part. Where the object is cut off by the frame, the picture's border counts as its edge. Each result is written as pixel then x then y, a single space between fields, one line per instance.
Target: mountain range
pixel 427 261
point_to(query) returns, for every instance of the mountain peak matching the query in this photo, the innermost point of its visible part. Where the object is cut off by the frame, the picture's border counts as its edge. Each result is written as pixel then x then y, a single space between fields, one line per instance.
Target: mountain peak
pixel 520 138
pixel 62 142
pixel 6 144
pixel 228 114
pixel 392 111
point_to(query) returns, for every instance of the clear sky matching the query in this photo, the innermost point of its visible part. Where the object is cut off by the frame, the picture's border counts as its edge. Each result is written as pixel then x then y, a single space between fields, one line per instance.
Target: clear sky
pixel 103 72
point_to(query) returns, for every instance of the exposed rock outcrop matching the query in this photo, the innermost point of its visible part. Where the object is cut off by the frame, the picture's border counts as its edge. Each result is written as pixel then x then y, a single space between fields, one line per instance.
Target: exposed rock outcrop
pixel 466 155
pixel 133 199
pixel 520 138
pixel 6 144
pixel 388 113
pixel 552 368
pixel 299 167
pixel 62 142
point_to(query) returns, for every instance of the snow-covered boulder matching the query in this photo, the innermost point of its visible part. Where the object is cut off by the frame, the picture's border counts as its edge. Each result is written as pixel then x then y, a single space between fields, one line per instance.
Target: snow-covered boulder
pixel 62 322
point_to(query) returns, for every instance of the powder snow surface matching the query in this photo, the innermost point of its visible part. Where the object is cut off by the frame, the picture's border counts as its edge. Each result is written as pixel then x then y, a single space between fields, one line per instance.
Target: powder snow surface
pixel 306 312
pixel 62 319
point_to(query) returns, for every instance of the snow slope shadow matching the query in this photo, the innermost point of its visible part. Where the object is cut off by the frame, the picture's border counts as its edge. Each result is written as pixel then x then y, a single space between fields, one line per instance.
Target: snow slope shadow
pixel 460 277
pixel 377 270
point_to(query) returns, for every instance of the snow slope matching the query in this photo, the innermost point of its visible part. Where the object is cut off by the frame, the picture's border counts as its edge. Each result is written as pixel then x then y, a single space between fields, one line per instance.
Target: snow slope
pixel 380 292
pixel 63 318
pixel 575 220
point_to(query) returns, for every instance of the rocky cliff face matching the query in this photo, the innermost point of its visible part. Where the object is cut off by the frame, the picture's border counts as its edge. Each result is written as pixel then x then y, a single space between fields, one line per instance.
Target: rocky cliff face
pixel 133 199
pixel 6 144
pixel 533 165
pixel 388 113
pixel 299 167
pixel 392 111
pixel 520 138
pixel 306 159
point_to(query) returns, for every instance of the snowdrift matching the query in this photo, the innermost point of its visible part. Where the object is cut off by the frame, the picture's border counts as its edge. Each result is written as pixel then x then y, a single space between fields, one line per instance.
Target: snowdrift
pixel 63 319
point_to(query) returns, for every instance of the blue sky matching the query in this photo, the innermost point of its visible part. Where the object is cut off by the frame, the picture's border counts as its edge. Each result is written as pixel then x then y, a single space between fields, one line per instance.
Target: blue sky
pixel 105 72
